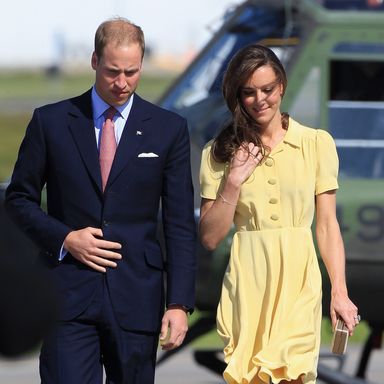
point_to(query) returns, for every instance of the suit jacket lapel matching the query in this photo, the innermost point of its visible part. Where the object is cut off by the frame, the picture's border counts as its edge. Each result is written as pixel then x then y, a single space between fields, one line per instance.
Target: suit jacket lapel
pixel 130 139
pixel 82 127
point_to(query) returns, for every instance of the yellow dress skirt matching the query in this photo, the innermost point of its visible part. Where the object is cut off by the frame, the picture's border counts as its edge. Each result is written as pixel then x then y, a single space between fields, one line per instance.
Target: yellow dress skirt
pixel 269 315
pixel 270 309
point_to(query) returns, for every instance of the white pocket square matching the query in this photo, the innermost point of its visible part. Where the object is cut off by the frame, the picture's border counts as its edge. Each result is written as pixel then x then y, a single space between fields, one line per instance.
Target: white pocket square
pixel 150 154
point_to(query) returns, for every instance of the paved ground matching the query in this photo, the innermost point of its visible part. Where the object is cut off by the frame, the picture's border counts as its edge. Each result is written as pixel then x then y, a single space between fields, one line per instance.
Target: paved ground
pixel 181 369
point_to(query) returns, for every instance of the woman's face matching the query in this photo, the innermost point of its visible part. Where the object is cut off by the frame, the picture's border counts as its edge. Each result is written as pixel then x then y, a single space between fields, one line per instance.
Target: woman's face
pixel 261 95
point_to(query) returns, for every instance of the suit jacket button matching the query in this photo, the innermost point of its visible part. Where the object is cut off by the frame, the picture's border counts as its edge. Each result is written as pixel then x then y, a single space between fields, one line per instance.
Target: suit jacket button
pixel 105 223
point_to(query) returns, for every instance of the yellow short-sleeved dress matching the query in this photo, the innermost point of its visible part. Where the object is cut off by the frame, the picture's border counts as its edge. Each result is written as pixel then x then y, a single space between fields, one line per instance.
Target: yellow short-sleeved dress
pixel 269 313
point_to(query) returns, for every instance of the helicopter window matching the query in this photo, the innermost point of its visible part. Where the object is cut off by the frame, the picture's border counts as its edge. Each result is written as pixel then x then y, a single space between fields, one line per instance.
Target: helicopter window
pixel 357 80
pixel 358 129
pixel 203 78
pixel 352 4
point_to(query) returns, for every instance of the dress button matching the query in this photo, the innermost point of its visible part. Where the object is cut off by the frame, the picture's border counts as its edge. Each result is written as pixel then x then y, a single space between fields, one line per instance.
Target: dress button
pixel 273 200
pixel 269 162
pixel 274 217
pixel 272 181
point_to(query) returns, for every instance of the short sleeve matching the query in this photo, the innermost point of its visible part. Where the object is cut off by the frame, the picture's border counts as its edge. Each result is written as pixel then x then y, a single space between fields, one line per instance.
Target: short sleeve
pixel 211 174
pixel 327 162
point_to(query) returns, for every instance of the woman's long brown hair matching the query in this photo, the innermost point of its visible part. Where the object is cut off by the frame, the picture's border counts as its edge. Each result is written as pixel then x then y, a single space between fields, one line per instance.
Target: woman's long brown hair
pixel 242 128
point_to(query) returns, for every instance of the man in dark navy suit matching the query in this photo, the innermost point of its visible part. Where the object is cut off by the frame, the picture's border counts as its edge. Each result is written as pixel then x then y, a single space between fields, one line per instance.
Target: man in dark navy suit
pixel 99 235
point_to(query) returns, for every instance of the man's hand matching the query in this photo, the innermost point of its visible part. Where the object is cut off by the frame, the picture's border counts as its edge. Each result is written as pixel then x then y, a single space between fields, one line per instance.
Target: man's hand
pixel 87 246
pixel 174 327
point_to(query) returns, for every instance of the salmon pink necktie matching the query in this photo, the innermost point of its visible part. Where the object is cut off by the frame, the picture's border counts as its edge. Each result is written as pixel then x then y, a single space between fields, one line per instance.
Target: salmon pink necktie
pixel 107 145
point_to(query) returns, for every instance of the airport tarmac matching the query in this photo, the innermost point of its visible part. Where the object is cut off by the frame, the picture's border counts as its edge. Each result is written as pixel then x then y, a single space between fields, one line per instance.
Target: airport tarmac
pixel 181 369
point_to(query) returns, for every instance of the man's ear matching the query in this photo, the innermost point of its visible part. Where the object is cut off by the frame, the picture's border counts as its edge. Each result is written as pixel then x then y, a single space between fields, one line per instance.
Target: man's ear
pixel 94 60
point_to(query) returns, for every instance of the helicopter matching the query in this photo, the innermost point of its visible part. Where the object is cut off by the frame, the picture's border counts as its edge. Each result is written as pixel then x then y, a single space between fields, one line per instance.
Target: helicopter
pixel 333 53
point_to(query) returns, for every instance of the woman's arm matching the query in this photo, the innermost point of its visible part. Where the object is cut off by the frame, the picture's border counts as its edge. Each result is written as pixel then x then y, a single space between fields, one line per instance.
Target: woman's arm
pixel 216 216
pixel 331 249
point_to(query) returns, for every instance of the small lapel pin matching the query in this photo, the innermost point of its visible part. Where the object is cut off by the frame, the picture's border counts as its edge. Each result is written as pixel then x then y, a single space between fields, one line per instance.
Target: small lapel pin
pixel 139 133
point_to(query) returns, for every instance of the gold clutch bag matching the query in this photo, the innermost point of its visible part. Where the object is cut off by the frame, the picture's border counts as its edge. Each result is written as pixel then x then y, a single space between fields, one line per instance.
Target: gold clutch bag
pixel 340 338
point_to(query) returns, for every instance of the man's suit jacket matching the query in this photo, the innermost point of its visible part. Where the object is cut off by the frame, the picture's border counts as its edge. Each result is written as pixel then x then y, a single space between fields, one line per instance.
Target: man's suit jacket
pixel 151 165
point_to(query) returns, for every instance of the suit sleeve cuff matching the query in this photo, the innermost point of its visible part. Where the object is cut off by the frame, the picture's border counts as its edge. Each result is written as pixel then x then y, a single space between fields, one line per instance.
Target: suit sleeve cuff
pixel 178 306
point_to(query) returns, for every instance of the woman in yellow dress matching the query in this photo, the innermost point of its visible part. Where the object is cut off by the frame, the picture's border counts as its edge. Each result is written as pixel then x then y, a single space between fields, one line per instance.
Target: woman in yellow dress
pixel 269 175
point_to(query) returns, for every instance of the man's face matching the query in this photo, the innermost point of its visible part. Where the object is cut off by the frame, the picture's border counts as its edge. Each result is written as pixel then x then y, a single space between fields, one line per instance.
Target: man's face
pixel 117 72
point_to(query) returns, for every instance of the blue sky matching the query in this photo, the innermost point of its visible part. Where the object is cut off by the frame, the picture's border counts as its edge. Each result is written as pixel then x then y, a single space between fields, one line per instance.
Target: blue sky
pixel 32 32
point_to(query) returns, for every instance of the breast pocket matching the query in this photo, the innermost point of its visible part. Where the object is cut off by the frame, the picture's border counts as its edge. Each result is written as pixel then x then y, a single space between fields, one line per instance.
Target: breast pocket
pixel 147 161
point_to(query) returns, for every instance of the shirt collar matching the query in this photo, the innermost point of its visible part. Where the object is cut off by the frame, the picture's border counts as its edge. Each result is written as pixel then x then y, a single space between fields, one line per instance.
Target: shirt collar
pixel 292 136
pixel 99 106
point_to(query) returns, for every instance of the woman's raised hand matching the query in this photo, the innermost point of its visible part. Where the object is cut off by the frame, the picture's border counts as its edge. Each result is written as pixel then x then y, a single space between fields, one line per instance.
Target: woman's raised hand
pixel 244 162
